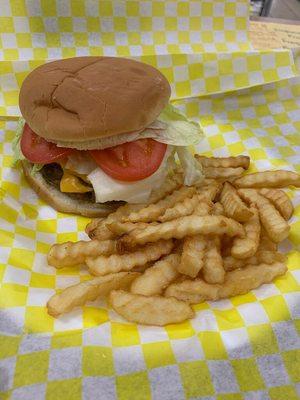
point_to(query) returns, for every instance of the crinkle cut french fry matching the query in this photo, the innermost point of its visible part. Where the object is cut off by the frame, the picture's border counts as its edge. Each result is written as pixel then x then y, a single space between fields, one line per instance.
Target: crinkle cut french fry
pixel 184 226
pixel 156 278
pixel 268 179
pixel 78 295
pixel 280 200
pixel 204 207
pixel 218 209
pixel 142 268
pixel 265 242
pixel 226 245
pixel 209 192
pixel 247 246
pixel 213 270
pixel 224 162
pixel 237 282
pixel 275 225
pixel 181 209
pixel 149 310
pixel 233 205
pixel 153 211
pixel 192 255
pixel 241 281
pixel 208 182
pixel 230 263
pixel 119 228
pixel 193 291
pixel 101 231
pixel 97 228
pixel 106 265
pixel 261 257
pixel 92 225
pixel 74 253
pixel 169 185
pixel 222 173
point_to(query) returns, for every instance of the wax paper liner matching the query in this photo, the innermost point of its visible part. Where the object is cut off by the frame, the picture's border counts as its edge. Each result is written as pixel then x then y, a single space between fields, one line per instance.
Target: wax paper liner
pixel 242 348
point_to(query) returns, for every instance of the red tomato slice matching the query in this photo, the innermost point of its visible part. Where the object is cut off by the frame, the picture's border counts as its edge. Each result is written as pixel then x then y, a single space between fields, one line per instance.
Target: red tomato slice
pixel 37 150
pixel 131 161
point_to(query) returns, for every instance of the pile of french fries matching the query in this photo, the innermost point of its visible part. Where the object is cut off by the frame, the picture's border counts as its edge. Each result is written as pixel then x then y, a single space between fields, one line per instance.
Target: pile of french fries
pixel 186 246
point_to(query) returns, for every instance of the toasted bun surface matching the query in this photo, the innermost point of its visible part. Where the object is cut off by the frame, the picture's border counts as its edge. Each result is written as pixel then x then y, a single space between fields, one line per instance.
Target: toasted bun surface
pixel 84 98
pixel 60 201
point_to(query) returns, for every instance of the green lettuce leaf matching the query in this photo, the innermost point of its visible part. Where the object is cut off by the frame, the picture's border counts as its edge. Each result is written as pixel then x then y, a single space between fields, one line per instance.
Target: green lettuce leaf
pixel 36 168
pixel 192 169
pixel 18 155
pixel 180 131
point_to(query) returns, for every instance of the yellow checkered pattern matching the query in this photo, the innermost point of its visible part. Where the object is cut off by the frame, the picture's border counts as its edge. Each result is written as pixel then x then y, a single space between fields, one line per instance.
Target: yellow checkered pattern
pixel 190 75
pixel 45 29
pixel 92 350
pixel 243 348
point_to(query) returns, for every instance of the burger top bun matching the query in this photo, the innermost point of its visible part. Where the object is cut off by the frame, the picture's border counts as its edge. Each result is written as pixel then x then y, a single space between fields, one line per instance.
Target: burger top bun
pixel 84 98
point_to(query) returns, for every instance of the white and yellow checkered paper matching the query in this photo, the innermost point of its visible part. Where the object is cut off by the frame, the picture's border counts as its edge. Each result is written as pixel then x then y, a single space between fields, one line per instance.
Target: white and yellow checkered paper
pixel 44 29
pixel 246 347
pixel 190 75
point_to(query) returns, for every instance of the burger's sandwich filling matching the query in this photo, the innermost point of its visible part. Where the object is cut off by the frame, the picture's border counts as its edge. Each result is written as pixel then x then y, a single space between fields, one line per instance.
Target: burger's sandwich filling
pixel 125 167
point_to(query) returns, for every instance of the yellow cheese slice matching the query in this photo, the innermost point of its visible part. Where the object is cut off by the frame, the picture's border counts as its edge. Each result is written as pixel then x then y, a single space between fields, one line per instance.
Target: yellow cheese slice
pixel 71 184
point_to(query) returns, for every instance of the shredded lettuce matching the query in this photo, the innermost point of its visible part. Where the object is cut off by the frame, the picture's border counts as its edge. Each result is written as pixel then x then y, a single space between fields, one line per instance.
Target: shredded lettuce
pixel 18 155
pixel 179 131
pixel 171 127
pixel 36 168
pixel 192 169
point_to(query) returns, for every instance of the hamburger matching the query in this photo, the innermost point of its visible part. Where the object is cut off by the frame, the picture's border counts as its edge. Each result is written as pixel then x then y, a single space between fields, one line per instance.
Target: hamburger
pixel 97 131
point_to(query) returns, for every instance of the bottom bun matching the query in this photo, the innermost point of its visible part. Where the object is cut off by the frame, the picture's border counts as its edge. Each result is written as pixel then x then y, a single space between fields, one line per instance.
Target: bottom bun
pixel 62 202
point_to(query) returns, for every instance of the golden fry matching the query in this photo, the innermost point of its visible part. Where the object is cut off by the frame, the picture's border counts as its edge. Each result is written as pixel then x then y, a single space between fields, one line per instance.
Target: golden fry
pixel 226 245
pixel 230 263
pixel 150 310
pixel 241 281
pixel 156 278
pixel 142 268
pixel 107 265
pixel 204 207
pixel 213 270
pixel 247 246
pixel 169 185
pixel 181 209
pixel 233 205
pixel 193 291
pixel 101 231
pixel 192 255
pixel 153 211
pixel 74 253
pixel 268 179
pixel 275 225
pixel 222 173
pixel 237 282
pixel 78 295
pixel 261 257
pixel 97 228
pixel 209 192
pixel 208 182
pixel 217 209
pixel 265 242
pixel 119 228
pixel 280 200
pixel 91 226
pixel 184 226
pixel 224 162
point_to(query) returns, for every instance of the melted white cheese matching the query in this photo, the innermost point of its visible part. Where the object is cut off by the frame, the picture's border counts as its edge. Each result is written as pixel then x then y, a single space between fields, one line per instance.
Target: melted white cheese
pixel 109 189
